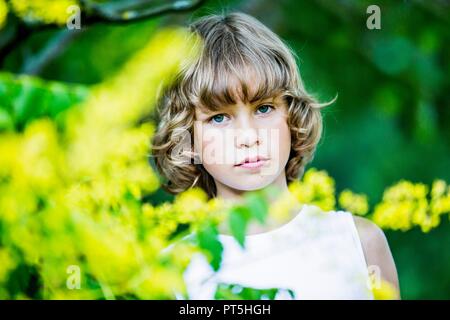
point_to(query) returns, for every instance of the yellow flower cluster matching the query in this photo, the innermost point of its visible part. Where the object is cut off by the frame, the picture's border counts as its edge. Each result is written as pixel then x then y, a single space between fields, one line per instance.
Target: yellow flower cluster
pixel 46 11
pixel 71 196
pixel 355 203
pixel 284 202
pixel 404 205
pixel 316 188
pixel 407 204
pixel 3 13
pixel 385 291
pixel 190 208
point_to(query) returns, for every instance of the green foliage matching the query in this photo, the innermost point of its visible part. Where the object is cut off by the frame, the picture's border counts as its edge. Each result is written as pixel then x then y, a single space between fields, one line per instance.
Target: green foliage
pixel 239 292
pixel 208 240
pixel 24 99
pixel 239 217
pixel 254 207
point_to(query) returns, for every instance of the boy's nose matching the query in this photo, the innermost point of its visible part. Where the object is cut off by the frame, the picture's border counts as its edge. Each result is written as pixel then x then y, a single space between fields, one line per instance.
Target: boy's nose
pixel 246 138
pixel 246 134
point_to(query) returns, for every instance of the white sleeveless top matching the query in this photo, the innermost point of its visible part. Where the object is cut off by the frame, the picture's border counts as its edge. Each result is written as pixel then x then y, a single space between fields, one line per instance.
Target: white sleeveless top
pixel 317 255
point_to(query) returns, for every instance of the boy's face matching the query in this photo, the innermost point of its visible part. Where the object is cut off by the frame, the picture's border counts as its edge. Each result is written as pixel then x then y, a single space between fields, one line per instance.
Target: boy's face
pixel 236 133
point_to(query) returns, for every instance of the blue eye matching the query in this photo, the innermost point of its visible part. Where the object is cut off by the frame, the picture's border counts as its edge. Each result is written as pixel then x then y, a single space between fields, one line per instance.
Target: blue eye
pixel 265 108
pixel 218 118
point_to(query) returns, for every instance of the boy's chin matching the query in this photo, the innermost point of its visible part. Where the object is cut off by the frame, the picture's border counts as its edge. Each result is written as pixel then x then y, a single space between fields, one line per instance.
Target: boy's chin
pixel 253 184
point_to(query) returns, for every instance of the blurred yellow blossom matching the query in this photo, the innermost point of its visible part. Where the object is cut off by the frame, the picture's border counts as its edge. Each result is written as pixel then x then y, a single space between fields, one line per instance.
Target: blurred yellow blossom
pixel 385 291
pixel 355 203
pixel 407 204
pixel 46 11
pixel 316 188
pixel 191 205
pixel 72 195
pixel 3 13
pixel 281 207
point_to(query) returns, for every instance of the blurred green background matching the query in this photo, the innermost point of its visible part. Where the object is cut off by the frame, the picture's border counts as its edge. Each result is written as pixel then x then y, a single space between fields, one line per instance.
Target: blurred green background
pixel 390 121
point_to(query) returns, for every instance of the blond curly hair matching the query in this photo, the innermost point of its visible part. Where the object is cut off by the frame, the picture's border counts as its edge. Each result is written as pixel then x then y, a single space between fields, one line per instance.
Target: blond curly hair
pixel 231 43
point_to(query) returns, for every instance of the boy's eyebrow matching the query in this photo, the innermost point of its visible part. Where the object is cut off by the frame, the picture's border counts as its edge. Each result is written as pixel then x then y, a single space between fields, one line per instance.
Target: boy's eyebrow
pixel 207 111
pixel 204 110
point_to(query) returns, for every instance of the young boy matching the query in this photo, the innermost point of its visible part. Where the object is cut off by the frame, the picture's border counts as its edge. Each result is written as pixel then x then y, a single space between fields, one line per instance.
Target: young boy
pixel 254 125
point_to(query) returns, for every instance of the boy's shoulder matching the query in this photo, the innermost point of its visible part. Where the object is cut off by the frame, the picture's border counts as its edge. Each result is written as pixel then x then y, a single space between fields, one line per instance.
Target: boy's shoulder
pixel 376 250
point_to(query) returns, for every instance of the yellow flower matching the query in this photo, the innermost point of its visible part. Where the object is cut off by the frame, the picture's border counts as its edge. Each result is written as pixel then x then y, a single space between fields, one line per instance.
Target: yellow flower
pixel 406 205
pixel 3 13
pixel 355 203
pixel 316 188
pixel 438 188
pixel 73 196
pixel 191 205
pixel 281 207
pixel 158 282
pixel 46 11
pixel 385 291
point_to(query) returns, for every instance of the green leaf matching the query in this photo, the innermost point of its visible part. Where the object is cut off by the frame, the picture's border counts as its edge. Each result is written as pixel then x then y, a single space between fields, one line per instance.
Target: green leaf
pixel 258 206
pixel 225 292
pixel 238 220
pixel 6 122
pixel 30 103
pixel 228 291
pixel 208 240
pixel 24 99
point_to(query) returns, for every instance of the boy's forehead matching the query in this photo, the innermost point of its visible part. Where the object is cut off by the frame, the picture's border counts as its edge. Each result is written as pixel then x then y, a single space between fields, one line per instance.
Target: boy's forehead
pixel 244 91
pixel 239 104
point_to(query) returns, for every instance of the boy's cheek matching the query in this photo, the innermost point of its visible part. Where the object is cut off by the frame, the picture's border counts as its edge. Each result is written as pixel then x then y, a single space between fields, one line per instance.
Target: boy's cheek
pixel 215 153
pixel 205 141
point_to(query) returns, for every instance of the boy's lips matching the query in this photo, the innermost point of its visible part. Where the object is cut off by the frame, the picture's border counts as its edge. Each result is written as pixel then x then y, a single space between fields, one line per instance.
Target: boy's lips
pixel 252 162
pixel 252 165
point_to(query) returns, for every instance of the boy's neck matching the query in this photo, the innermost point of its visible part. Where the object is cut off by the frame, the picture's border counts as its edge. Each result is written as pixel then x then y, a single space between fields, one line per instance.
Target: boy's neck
pixel 236 196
